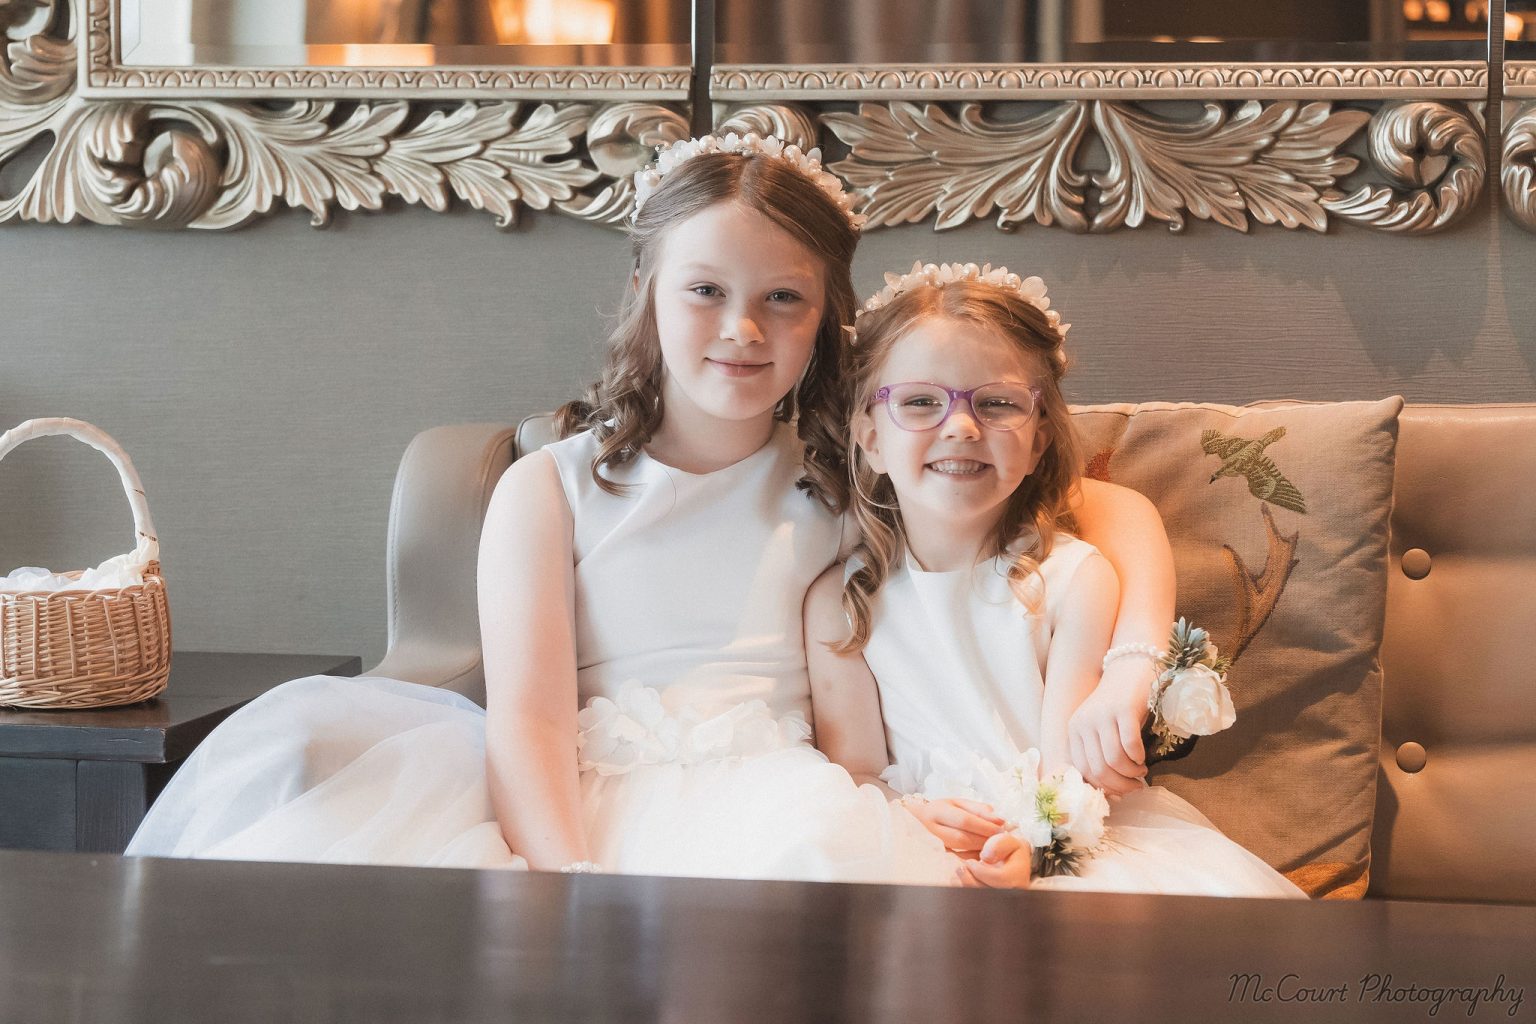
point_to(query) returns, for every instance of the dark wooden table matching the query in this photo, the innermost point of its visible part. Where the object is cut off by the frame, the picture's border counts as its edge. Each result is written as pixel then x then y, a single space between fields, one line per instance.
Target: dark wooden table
pixel 82 780
pixel 104 939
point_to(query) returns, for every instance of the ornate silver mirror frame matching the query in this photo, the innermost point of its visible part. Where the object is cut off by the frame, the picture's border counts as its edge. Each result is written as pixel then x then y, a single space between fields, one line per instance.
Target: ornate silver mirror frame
pixel 1519 149
pixel 175 147
pixel 1081 147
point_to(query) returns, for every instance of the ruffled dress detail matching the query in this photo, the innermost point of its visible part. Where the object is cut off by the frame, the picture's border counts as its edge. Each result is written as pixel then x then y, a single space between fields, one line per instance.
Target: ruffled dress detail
pixel 735 793
pixel 634 729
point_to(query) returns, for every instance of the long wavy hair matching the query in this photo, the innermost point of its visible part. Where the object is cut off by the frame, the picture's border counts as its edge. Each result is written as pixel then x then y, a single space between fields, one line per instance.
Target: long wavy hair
pixel 1041 501
pixel 623 407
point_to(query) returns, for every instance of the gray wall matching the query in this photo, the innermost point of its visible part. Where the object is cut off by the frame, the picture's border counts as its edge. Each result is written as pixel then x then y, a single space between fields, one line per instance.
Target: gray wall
pixel 267 381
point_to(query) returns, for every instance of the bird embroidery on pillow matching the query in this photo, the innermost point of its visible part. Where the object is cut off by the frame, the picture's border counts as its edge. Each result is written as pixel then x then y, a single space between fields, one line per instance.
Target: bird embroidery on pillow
pixel 1241 456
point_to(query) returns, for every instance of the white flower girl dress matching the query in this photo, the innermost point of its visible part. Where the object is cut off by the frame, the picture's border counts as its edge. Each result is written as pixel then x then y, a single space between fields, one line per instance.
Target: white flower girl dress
pixel 961 671
pixel 694 735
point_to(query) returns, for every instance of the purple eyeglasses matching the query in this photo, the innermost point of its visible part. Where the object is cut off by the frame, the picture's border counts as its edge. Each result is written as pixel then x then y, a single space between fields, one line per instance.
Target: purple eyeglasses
pixel 920 405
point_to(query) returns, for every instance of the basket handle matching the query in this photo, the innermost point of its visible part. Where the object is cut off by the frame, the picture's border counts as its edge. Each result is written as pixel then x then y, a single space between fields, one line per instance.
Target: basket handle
pixel 147 549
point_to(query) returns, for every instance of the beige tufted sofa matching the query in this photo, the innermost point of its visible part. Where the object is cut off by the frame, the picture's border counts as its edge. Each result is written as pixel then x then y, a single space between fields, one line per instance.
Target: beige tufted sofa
pixel 1456 800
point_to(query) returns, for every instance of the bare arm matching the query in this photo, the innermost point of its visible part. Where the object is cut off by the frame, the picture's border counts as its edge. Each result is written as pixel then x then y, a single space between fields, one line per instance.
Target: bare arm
pixel 526 584
pixel 844 694
pixel 1124 525
pixel 1106 728
pixel 1078 642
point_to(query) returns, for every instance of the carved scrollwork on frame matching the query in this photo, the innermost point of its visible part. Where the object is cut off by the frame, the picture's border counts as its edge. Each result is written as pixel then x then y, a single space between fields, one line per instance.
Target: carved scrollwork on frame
pixel 1519 176
pixel 1436 152
pixel 790 123
pixel 1276 163
pixel 215 165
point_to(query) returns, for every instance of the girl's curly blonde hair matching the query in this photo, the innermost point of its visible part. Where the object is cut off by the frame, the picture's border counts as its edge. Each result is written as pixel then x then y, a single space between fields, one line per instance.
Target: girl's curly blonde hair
pixel 1041 501
pixel 623 408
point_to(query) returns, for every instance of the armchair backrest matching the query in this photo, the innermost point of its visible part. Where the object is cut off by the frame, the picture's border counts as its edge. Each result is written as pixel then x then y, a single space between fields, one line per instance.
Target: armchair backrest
pixel 441 491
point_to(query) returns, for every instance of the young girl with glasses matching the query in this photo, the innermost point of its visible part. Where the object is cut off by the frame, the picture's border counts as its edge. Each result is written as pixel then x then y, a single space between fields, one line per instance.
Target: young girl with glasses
pixel 970 616
pixel 641 588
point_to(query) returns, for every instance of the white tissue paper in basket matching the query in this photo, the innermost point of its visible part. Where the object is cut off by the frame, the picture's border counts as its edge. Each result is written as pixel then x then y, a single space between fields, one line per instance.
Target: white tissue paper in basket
pixel 115 573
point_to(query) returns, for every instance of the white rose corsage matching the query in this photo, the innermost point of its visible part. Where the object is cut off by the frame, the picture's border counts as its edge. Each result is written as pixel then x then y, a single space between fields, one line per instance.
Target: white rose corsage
pixel 1189 697
pixel 1068 823
pixel 1060 817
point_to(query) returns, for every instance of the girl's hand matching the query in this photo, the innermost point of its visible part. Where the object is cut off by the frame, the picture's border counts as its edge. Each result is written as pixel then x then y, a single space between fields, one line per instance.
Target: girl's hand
pixel 963 826
pixel 1104 733
pixel 1005 863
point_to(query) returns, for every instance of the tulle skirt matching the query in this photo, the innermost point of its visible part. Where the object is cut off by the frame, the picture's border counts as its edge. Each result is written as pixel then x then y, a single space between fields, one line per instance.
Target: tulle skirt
pixel 1156 842
pixel 1151 841
pixel 379 771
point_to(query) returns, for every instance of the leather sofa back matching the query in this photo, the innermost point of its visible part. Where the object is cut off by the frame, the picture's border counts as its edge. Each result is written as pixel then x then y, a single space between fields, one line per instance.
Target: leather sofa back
pixel 1456 804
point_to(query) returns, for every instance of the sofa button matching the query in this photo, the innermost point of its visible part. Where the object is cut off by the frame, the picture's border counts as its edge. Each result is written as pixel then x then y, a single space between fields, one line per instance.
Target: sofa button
pixel 1411 757
pixel 1415 563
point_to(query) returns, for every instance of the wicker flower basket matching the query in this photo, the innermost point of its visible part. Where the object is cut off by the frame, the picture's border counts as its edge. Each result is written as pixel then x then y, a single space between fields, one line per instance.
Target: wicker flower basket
pixel 86 648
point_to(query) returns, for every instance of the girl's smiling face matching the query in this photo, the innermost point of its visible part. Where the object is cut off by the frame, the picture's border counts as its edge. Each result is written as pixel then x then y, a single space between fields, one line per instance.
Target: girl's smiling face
pixel 952 481
pixel 738 303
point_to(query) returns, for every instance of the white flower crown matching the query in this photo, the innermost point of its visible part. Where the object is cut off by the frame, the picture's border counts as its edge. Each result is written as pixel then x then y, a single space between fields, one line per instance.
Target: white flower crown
pixel 1030 289
pixel 674 154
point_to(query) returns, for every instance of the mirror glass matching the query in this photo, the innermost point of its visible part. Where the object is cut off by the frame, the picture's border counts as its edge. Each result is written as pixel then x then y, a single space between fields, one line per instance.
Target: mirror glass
pixel 403 33
pixel 1094 31
pixel 1520 30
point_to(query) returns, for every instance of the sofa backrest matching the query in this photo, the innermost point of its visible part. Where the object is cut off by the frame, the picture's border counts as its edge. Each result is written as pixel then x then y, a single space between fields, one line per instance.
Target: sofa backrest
pixel 1456 806
pixel 1456 800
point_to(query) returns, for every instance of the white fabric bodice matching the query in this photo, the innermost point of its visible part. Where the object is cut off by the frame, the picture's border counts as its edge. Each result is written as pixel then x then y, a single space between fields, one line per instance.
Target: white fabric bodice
pixel 694 583
pixel 961 661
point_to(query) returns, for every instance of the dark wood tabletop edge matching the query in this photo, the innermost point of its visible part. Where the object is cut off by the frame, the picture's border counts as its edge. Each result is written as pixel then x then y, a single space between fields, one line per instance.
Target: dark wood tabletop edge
pixel 492 881
pixel 398 944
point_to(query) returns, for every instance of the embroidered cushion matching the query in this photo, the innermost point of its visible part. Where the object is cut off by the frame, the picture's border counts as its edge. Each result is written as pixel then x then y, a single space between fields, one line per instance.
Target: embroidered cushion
pixel 1278 514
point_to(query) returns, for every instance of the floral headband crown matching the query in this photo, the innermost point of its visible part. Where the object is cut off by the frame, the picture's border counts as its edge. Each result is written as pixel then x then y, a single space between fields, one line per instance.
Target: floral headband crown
pixel 1030 289
pixel 674 154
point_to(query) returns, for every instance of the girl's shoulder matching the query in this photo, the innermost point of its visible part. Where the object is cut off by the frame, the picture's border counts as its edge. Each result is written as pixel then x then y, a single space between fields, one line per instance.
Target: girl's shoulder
pixel 583 442
pixel 575 457
pixel 1059 567
pixel 1070 546
pixel 1066 548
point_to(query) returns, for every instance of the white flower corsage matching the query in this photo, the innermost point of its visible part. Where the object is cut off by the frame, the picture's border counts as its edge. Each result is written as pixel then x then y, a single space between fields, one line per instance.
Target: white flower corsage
pixel 1189 697
pixel 1061 817
pixel 1069 818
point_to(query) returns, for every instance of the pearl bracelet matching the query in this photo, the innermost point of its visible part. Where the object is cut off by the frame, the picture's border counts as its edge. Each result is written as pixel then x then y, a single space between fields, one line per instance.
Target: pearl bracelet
pixel 1150 651
pixel 581 867
pixel 910 800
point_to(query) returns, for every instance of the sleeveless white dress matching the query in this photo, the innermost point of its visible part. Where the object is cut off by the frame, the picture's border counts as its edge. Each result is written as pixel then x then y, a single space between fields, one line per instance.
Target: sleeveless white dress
pixel 960 664
pixel 693 749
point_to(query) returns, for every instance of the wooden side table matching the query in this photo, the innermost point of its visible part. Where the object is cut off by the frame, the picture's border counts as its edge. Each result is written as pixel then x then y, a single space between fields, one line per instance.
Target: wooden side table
pixel 82 780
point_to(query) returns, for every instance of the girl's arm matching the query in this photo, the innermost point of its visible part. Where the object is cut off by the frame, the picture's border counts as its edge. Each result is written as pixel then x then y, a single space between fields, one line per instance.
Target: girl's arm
pixel 1078 642
pixel 526 584
pixel 846 702
pixel 1106 728
pixel 844 695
